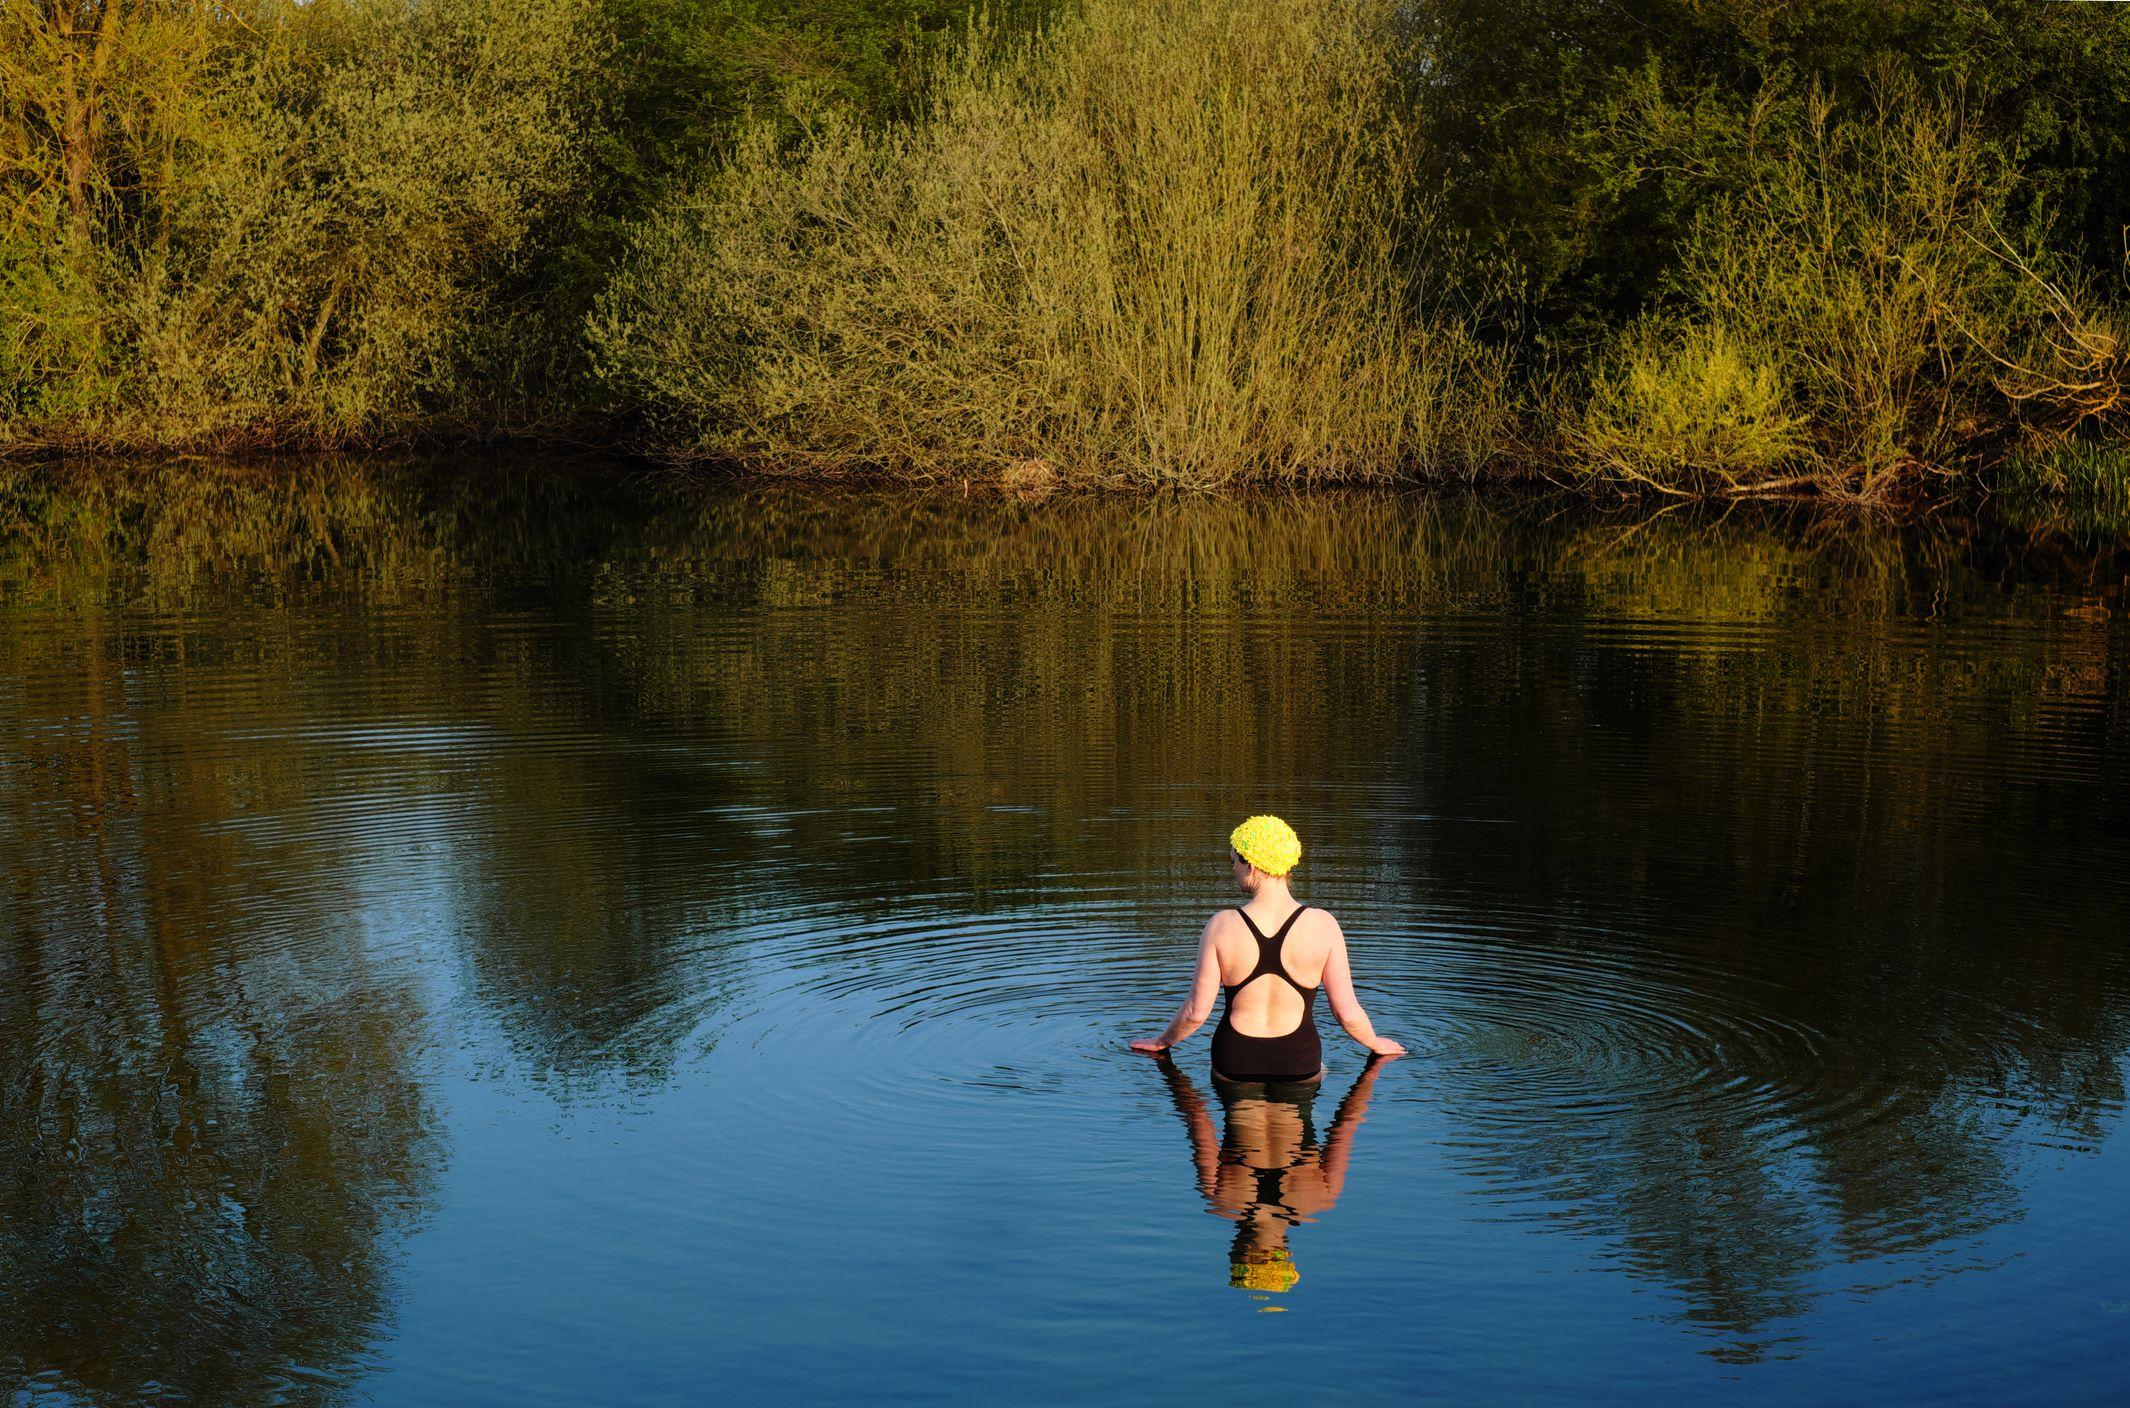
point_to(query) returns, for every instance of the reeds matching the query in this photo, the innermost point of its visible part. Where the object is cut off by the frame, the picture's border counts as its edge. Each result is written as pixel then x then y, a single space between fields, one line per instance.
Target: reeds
pixel 2079 485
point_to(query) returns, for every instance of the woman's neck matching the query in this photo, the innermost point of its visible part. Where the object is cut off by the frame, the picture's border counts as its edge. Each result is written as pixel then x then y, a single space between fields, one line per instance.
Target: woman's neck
pixel 1272 887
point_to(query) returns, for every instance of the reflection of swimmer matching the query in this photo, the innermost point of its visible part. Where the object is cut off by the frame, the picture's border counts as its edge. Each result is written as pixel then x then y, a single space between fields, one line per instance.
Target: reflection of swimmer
pixel 1267 1172
pixel 1268 1030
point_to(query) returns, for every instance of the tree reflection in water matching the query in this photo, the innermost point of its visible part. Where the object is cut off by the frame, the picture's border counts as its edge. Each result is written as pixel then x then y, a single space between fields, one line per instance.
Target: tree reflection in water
pixel 211 1126
pixel 1748 877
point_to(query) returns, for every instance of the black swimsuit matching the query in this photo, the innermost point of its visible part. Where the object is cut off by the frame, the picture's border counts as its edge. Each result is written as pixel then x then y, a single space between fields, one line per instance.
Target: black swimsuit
pixel 1298 1055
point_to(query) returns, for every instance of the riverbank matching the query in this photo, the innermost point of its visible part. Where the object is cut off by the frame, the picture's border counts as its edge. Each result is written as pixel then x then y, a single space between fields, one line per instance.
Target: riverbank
pixel 2033 512
pixel 1863 260
pixel 407 525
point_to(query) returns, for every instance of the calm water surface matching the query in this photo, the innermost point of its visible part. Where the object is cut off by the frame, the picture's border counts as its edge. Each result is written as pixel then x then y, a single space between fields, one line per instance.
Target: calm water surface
pixel 546 941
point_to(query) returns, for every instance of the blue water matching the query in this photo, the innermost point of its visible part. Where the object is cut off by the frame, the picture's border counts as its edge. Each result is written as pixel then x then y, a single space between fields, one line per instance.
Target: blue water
pixel 678 943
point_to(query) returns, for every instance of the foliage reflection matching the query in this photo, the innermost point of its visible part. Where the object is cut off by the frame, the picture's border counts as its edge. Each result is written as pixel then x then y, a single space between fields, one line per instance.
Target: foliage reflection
pixel 1756 880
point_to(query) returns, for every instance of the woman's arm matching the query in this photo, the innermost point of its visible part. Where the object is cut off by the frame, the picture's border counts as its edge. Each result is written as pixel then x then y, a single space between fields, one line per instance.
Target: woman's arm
pixel 1338 986
pixel 1198 1005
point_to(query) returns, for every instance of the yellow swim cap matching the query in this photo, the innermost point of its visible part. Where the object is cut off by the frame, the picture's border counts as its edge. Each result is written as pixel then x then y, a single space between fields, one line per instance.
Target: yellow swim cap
pixel 1274 1273
pixel 1267 843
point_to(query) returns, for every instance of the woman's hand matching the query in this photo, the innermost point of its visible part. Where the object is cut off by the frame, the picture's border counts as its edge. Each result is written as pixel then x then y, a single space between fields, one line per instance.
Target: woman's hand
pixel 1384 1046
pixel 1151 1048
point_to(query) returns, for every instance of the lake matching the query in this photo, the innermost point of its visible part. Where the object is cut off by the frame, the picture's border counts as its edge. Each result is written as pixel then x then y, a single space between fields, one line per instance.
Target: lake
pixel 518 935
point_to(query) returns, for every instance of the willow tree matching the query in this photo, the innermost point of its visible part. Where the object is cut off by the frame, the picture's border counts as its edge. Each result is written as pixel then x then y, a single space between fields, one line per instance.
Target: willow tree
pixel 269 221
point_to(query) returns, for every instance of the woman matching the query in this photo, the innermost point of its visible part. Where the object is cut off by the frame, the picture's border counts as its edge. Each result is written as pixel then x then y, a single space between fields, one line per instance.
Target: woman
pixel 1271 954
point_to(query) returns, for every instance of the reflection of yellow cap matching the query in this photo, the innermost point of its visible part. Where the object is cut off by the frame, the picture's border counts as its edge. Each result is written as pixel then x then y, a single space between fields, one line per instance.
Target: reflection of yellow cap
pixel 1271 1270
pixel 1267 843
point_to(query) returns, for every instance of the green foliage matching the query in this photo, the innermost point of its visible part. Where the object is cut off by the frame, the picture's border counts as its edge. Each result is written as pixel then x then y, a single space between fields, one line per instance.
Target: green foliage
pixel 675 87
pixel 1866 269
pixel 2097 472
pixel 286 226
pixel 2080 484
pixel 1689 410
pixel 350 218
pixel 1157 242
pixel 1706 246
pixel 1581 138
pixel 1863 257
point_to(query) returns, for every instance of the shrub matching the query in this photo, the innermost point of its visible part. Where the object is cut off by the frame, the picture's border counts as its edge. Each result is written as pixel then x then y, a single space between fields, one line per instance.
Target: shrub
pixel 1891 322
pixel 1689 411
pixel 1860 256
pixel 281 224
pixel 1158 241
pixel 1535 128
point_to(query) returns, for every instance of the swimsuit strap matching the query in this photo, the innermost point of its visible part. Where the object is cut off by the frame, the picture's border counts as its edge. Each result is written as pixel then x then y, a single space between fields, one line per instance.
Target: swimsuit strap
pixel 1268 949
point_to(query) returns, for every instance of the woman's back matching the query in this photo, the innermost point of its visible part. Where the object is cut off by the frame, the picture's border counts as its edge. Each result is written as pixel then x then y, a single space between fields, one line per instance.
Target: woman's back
pixel 1265 1005
pixel 1268 1032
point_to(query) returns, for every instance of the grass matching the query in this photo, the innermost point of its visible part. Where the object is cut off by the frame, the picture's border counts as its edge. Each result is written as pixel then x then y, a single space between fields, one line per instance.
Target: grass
pixel 2080 485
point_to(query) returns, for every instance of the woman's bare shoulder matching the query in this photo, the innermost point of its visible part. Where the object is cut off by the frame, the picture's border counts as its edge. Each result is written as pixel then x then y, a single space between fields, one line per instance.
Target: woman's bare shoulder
pixel 1317 931
pixel 1322 921
pixel 1225 936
